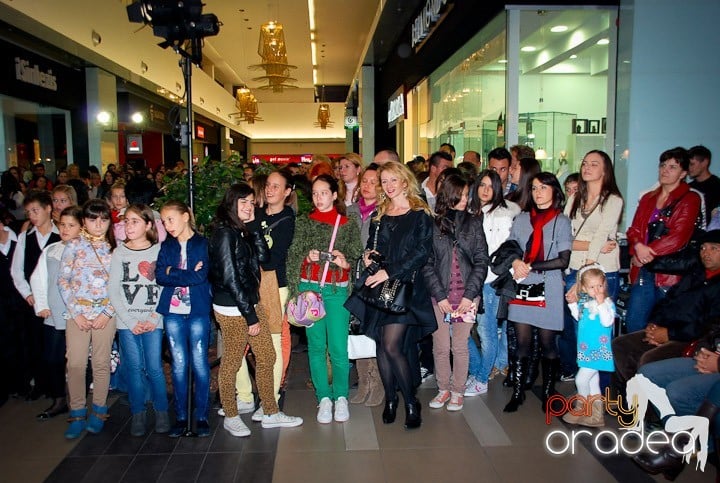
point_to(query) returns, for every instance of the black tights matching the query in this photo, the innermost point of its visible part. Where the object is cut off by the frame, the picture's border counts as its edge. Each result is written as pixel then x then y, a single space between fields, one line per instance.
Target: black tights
pixel 547 337
pixel 393 363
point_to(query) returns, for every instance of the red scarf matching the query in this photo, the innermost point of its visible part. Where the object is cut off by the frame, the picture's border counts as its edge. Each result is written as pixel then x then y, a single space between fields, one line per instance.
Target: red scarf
pixel 538 219
pixel 327 217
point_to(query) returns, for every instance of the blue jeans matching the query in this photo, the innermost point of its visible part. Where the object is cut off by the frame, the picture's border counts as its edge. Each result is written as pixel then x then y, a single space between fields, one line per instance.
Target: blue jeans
pixel 686 388
pixel 643 297
pixel 567 341
pixel 188 337
pixel 491 352
pixel 143 356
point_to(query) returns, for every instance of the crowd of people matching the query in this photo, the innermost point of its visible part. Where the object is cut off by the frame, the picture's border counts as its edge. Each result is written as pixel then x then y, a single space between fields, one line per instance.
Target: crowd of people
pixel 425 257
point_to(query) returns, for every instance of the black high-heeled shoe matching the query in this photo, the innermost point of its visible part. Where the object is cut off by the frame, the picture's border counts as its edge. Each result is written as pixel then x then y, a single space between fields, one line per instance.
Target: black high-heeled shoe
pixel 390 411
pixel 59 406
pixel 412 415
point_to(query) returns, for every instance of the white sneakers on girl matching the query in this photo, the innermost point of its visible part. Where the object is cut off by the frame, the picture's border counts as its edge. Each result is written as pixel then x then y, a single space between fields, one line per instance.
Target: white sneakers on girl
pixel 342 410
pixel 280 420
pixel 236 427
pixel 325 411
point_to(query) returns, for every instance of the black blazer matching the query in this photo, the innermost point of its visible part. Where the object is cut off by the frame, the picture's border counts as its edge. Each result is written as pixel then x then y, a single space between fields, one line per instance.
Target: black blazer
pixel 235 269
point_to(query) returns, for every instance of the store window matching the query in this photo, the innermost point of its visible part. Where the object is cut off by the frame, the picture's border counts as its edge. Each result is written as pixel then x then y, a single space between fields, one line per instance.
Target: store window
pixel 563 89
pixel 467 96
pixel 31 133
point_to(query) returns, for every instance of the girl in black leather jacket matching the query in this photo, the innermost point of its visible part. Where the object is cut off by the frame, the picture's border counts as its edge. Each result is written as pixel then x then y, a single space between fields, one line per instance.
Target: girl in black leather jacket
pixel 235 257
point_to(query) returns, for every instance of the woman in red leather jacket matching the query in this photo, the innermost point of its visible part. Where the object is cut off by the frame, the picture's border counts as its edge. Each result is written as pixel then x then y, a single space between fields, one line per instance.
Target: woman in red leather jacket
pixel 684 204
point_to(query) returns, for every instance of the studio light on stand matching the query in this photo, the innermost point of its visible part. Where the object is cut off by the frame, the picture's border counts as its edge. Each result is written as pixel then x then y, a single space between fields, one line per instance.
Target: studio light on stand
pixel 183 26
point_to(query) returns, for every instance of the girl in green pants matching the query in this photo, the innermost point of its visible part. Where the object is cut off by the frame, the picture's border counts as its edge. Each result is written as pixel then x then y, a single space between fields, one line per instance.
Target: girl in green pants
pixel 306 259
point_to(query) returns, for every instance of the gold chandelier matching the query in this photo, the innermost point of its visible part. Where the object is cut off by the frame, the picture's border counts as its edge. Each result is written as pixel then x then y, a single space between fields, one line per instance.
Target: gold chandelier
pixel 323 116
pixel 247 106
pixel 271 49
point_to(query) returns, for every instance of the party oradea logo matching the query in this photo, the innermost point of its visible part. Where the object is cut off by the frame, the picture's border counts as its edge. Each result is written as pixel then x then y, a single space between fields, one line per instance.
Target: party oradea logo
pixel 631 438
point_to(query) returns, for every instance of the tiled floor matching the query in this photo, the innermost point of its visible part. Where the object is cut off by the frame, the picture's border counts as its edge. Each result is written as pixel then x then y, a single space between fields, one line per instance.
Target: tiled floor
pixel 481 443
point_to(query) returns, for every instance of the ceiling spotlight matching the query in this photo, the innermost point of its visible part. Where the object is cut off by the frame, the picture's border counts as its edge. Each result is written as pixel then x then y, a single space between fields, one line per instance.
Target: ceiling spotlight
pixel 559 28
pixel 137 118
pixel 529 48
pixel 104 118
pixel 603 41
pixel 178 87
pixel 143 67
pixel 574 56
pixel 502 61
pixel 96 38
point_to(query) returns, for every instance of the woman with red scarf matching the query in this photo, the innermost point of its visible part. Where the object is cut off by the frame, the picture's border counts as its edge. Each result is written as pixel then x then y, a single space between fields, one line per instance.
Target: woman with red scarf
pixel 306 260
pixel 545 236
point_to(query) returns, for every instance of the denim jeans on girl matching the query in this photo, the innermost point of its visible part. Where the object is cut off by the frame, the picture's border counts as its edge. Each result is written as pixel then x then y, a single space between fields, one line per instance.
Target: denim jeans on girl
pixel 188 337
pixel 492 353
pixel 143 356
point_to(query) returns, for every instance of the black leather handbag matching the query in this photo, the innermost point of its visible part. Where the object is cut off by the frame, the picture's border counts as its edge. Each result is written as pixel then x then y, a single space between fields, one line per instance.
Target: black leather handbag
pixel 393 295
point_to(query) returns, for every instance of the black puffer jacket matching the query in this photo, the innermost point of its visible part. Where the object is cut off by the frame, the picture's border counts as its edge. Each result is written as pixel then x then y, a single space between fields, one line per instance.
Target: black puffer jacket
pixel 472 254
pixel 235 269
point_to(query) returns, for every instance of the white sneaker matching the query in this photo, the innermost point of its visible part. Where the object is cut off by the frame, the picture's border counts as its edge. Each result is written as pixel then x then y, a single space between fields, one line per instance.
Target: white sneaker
pixel 324 414
pixel 280 420
pixel 473 387
pixel 236 427
pixel 342 411
pixel 243 408
pixel 258 415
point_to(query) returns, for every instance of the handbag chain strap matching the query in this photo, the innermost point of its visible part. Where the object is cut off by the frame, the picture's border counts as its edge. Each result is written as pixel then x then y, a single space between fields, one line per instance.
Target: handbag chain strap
pixel 330 249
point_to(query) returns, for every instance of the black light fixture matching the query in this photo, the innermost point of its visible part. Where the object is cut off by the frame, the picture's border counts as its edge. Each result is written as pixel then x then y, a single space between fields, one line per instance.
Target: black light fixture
pixel 176 21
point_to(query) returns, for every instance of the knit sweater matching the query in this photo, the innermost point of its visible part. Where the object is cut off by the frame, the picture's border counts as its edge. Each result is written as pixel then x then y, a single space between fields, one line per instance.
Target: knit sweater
pixel 311 234
pixel 133 290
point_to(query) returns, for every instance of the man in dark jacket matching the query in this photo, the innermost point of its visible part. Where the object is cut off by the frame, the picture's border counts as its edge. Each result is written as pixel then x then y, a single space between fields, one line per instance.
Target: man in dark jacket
pixel 684 315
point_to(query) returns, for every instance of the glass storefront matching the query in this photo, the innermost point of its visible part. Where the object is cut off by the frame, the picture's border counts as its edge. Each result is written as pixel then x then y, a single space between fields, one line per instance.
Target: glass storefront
pixel 561 96
pixel 467 95
pixel 33 133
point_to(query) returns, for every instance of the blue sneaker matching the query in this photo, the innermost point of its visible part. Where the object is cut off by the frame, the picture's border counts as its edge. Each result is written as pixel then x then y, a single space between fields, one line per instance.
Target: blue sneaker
pixel 202 429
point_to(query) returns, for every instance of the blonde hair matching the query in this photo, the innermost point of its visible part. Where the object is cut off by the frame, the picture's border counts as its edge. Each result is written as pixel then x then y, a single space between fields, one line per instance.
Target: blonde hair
pixel 357 161
pixel 68 190
pixel 591 271
pixel 182 208
pixel 412 189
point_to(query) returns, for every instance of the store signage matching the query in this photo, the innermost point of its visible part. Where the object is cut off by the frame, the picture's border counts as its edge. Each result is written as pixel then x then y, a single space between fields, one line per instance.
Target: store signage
pixel 200 132
pixel 24 72
pixel 396 107
pixel 351 122
pixel 134 144
pixel 427 20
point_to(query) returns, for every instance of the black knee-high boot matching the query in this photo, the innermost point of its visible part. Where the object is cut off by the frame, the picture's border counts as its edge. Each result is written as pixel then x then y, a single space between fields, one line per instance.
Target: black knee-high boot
pixel 533 369
pixel 512 356
pixel 550 371
pixel 518 395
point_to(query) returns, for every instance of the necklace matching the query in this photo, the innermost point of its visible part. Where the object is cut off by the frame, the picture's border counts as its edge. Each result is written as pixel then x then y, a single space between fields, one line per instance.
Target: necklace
pixel 93 238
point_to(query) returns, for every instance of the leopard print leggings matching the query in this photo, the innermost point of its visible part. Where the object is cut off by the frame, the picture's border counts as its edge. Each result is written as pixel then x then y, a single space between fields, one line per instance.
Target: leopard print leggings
pixel 235 338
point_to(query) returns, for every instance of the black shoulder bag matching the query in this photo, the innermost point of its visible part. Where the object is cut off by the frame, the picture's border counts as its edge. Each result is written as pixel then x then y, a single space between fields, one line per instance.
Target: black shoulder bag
pixel 393 295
